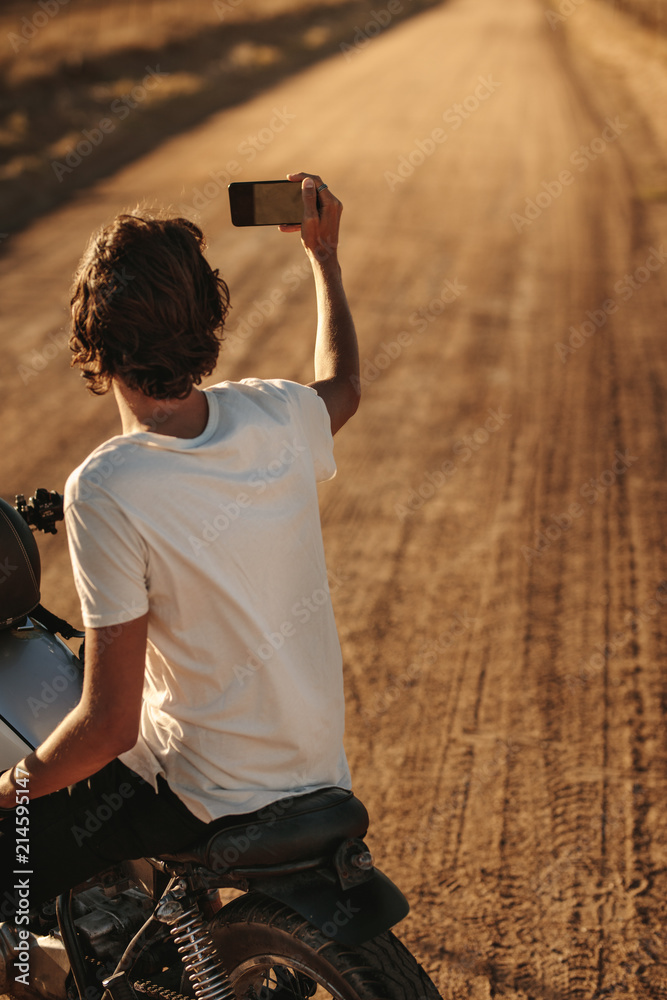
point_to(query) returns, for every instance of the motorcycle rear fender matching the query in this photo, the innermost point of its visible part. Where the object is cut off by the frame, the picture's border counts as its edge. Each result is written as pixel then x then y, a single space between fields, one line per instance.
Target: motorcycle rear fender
pixel 349 916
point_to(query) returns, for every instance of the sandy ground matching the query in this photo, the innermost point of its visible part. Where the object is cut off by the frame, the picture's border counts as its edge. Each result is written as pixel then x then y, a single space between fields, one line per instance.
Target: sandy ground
pixel 495 533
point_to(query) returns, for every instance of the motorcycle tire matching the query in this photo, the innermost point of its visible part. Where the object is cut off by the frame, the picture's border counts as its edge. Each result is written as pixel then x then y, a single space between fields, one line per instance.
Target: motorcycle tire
pixel 271 952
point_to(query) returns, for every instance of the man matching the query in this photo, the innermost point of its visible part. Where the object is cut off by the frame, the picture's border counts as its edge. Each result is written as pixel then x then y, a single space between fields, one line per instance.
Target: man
pixel 213 679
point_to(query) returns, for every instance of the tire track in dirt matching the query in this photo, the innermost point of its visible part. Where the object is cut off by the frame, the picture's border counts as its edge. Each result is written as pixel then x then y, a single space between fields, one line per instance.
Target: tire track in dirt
pixel 635 837
pixel 578 803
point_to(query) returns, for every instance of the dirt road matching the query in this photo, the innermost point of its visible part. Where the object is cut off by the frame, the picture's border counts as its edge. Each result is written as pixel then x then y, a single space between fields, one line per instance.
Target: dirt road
pixel 495 533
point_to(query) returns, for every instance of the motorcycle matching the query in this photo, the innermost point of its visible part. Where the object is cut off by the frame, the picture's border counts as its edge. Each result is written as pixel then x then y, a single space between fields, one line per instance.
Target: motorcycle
pixel 309 914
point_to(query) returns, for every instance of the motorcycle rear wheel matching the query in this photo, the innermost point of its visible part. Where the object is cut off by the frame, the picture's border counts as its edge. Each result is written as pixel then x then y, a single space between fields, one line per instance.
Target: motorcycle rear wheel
pixel 269 951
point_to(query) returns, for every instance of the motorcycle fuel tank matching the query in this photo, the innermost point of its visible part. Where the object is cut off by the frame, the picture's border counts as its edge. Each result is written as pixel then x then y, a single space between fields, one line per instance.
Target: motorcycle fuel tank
pixel 40 682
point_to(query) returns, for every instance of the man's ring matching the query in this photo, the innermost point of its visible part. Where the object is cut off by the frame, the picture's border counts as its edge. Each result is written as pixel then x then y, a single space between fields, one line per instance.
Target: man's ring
pixel 322 187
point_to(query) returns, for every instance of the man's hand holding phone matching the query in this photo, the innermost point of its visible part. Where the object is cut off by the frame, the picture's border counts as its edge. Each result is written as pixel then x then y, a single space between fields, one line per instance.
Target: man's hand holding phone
pixel 321 218
pixel 302 202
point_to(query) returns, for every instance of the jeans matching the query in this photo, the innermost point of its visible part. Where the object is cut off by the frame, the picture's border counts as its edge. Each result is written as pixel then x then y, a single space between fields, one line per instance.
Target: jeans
pixel 79 831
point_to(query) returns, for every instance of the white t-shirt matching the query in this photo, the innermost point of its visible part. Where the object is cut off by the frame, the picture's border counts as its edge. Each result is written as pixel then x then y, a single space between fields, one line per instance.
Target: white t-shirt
pixel 218 538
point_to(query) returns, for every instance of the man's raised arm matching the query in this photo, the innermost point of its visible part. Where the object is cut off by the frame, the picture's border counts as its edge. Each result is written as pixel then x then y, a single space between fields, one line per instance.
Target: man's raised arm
pixel 336 350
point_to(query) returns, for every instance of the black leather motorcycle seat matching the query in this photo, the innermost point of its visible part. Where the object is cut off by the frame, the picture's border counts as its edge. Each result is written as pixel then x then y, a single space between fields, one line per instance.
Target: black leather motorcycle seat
pixel 289 830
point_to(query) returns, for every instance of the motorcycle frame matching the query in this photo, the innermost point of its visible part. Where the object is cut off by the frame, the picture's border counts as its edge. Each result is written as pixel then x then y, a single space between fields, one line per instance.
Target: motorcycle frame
pixel 364 905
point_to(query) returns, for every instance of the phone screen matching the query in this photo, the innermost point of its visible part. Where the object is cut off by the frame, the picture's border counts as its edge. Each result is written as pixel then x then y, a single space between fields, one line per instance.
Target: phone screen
pixel 265 203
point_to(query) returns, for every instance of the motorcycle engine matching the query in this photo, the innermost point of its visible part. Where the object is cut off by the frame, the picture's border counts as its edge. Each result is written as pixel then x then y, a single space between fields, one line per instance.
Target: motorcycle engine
pixel 104 919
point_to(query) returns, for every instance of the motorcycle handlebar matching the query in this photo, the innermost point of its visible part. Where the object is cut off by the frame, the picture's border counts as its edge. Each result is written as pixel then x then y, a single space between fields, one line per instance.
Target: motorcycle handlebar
pixel 42 510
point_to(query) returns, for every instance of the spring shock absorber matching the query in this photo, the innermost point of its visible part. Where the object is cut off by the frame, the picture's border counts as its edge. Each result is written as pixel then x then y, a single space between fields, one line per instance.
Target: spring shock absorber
pixel 195 946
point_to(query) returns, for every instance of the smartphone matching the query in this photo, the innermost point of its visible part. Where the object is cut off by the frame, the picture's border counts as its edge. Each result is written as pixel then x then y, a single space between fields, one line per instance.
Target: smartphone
pixel 265 203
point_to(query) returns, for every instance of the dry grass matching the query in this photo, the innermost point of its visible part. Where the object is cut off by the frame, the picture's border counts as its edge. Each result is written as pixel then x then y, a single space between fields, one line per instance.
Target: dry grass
pixel 86 30
pixel 66 69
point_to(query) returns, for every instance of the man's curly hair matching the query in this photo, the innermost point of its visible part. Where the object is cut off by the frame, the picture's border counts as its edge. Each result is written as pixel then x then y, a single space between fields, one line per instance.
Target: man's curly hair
pixel 147 307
